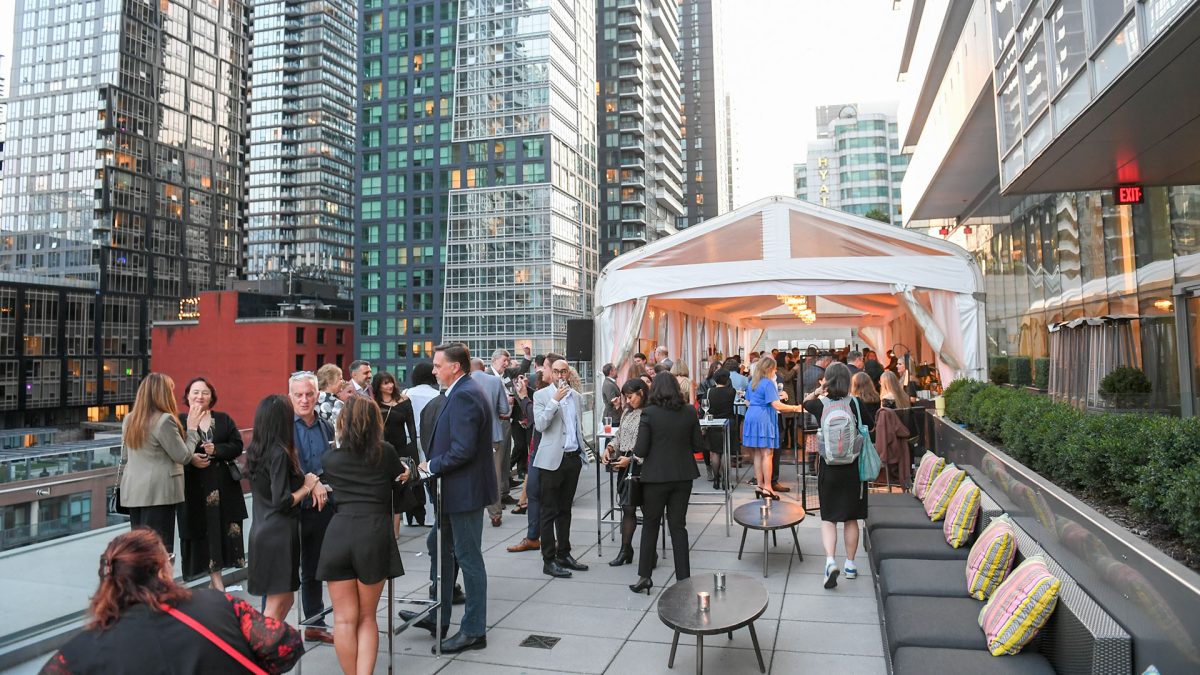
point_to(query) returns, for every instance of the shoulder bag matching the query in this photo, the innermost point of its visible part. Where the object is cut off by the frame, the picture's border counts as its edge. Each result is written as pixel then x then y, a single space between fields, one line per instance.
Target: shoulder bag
pixel 114 500
pixel 869 463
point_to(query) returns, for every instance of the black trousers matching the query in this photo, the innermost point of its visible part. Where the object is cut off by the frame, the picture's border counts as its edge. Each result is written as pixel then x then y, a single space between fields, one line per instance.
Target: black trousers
pixel 520 447
pixel 313 524
pixel 557 490
pixel 673 498
pixel 161 519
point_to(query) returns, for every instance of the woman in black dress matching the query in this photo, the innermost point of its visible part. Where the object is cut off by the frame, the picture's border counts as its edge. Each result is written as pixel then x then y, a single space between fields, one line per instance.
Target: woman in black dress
pixel 720 406
pixel 843 496
pixel 277 487
pixel 668 434
pixel 400 431
pixel 359 552
pixel 210 518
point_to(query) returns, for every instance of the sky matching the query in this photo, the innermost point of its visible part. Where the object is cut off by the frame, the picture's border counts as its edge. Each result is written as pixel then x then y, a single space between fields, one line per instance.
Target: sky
pixel 783 58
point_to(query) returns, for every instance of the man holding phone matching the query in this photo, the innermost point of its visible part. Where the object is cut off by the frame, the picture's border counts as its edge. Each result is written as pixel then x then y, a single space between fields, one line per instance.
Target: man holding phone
pixel 558 415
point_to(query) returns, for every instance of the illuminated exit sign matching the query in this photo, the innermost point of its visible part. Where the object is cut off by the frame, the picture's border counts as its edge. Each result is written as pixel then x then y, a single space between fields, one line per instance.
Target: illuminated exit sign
pixel 1129 194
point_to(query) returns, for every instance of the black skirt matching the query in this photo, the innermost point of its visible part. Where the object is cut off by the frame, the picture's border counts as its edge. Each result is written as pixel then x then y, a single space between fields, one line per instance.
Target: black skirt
pixel 843 496
pixel 359 546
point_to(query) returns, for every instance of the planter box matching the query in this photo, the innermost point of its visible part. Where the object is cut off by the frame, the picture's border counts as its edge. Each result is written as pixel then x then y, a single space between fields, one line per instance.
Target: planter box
pixel 1155 598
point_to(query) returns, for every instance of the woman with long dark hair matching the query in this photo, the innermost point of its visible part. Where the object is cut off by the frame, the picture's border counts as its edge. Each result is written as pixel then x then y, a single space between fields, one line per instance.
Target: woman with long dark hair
pixel 278 487
pixel 210 519
pixel 400 431
pixel 720 406
pixel 138 617
pixel 359 552
pixel 668 435
pixel 153 453
pixel 620 454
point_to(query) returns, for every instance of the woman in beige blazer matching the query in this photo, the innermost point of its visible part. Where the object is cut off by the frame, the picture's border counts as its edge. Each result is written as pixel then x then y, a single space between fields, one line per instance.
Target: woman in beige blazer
pixel 153 453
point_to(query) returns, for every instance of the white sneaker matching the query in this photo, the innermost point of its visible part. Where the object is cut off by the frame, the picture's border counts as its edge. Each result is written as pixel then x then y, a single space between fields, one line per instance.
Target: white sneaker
pixel 851 570
pixel 831 575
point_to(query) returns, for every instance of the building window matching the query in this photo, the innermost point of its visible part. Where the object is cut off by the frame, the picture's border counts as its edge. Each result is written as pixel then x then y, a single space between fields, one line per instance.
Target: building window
pixel 299 362
pixel 300 335
pixel 320 360
pixel 699 199
pixel 320 337
pixel 340 336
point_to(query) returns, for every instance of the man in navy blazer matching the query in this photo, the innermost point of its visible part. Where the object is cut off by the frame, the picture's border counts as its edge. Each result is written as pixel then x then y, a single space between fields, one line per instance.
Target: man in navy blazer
pixel 460 454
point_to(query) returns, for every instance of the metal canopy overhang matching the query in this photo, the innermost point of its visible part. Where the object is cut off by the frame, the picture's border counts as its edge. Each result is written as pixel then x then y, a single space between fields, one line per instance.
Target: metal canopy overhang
pixel 968 169
pixel 1145 128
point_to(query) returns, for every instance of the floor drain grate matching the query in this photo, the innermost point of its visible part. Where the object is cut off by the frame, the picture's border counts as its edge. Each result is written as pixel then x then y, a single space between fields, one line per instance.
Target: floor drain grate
pixel 540 641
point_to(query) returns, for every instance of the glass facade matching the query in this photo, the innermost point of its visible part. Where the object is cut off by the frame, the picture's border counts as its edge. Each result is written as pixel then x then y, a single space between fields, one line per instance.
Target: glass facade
pixel 1078 262
pixel 302 125
pixel 706 160
pixel 641 162
pixel 1052 59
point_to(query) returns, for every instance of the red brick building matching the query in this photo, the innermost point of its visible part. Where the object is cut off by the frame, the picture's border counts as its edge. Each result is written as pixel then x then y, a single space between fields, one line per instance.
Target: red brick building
pixel 248 344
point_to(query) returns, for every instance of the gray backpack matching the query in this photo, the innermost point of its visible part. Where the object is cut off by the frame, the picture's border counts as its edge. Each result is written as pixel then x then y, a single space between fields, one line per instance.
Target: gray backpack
pixel 838 438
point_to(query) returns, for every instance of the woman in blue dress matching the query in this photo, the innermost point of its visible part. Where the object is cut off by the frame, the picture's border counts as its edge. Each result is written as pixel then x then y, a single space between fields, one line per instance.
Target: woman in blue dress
pixel 760 431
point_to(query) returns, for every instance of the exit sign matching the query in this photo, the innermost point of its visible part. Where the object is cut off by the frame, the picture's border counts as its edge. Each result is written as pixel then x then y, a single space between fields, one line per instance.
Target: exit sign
pixel 1129 194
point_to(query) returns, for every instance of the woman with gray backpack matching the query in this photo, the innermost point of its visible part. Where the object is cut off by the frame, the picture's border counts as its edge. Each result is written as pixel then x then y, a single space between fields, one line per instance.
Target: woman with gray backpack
pixel 843 495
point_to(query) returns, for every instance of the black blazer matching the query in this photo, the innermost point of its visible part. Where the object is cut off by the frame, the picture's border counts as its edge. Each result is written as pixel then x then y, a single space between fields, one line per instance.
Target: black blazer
pixel 666 441
pixel 460 449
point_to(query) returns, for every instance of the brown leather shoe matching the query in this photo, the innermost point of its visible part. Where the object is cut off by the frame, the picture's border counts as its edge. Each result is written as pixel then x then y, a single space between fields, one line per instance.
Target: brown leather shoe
pixel 496 520
pixel 525 545
pixel 315 634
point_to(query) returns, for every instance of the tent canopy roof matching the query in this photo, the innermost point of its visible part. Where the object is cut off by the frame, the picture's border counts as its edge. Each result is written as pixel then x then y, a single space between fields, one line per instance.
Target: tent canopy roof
pixel 733 266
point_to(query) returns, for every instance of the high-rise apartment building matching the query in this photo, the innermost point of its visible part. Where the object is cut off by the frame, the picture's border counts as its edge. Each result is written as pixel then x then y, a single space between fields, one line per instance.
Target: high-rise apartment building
pixel 705 135
pixel 126 172
pixel 855 165
pixel 641 161
pixel 303 63
pixel 477 169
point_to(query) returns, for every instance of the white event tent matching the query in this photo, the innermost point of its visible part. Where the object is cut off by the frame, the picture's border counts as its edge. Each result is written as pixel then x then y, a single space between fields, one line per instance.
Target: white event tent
pixel 715 287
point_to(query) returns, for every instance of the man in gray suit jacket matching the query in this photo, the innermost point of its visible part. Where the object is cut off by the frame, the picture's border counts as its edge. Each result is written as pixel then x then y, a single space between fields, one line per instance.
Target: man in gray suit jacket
pixel 609 390
pixel 561 454
pixel 493 388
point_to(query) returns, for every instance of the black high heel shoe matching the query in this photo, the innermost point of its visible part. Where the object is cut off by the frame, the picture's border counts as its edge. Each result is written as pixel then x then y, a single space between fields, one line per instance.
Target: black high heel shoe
pixel 643 584
pixel 624 557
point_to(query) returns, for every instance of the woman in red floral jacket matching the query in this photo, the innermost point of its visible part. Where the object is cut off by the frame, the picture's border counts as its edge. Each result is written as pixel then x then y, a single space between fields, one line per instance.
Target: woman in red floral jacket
pixel 142 622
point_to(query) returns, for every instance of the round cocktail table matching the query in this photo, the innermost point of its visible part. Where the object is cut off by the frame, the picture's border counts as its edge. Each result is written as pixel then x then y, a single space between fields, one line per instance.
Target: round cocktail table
pixel 781 515
pixel 738 605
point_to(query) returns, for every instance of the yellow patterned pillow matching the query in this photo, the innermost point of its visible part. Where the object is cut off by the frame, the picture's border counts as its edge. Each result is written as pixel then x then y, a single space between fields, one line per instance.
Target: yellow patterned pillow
pixel 1020 607
pixel 931 466
pixel 961 516
pixel 990 557
pixel 941 491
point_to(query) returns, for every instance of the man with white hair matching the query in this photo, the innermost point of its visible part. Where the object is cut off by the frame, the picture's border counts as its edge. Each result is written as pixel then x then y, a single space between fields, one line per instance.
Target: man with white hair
pixel 660 357
pixel 313 436
pixel 511 426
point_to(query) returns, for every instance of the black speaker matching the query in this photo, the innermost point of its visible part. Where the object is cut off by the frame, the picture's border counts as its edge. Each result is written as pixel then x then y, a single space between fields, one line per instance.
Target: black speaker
pixel 579 339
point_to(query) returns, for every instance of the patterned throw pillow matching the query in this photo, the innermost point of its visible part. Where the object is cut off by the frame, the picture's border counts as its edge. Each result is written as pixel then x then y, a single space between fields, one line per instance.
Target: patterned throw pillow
pixel 941 491
pixel 1020 607
pixel 990 557
pixel 961 516
pixel 931 466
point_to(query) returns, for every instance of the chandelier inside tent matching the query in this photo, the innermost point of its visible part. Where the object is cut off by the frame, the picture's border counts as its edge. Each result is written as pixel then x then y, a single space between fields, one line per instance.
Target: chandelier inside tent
pixel 799 306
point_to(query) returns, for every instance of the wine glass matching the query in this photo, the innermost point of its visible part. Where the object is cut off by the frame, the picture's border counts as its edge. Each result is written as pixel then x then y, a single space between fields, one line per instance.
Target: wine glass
pixel 704 406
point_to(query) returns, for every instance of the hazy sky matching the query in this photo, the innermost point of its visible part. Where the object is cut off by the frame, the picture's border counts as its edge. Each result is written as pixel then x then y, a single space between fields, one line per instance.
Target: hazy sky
pixel 782 59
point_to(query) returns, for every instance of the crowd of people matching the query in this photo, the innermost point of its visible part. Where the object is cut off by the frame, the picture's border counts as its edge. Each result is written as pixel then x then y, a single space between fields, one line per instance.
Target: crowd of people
pixel 339 463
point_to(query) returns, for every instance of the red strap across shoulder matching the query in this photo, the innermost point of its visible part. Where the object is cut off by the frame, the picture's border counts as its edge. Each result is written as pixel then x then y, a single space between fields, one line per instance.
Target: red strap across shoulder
pixel 212 637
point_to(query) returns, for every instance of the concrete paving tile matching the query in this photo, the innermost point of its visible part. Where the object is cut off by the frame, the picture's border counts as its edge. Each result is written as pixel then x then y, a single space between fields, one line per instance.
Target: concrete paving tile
pixel 553 619
pixel 817 637
pixel 815 564
pixel 796 662
pixel 459 667
pixel 830 608
pixel 573 654
pixel 580 592
pixel 802 582
pixel 650 658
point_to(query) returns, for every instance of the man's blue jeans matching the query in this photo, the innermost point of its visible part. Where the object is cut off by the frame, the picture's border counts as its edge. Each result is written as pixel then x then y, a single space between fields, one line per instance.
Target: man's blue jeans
pixel 462 533
pixel 533 502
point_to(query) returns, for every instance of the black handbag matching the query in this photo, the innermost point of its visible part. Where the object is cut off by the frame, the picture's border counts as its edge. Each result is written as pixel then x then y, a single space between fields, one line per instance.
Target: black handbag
pixel 235 471
pixel 114 500
pixel 629 488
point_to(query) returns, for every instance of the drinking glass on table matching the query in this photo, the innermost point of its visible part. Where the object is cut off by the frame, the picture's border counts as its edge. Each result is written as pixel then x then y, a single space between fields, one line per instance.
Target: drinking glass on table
pixel 608 425
pixel 704 406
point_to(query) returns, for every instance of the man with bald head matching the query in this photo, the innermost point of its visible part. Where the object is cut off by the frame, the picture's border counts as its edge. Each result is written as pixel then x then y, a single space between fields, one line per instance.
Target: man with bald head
pixel 561 454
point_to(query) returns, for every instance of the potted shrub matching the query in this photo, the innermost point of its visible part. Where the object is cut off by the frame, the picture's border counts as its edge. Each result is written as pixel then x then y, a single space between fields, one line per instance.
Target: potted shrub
pixel 1020 371
pixel 1041 374
pixel 998 374
pixel 1126 387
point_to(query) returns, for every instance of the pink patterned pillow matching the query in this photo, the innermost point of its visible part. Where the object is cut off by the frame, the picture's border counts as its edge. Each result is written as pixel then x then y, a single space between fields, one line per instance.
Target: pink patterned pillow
pixel 931 466
pixel 990 557
pixel 941 491
pixel 961 516
pixel 1020 607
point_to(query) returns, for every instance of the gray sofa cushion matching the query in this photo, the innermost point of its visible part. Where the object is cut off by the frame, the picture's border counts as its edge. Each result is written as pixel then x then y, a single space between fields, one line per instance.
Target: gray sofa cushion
pixel 889 543
pixel 915 621
pixel 900 518
pixel 925 660
pixel 893 499
pixel 929 578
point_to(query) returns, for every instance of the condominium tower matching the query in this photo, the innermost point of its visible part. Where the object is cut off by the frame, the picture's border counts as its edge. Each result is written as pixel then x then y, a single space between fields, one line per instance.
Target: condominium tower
pixel 123 175
pixel 706 161
pixel 855 164
pixel 303 63
pixel 640 164
pixel 477 170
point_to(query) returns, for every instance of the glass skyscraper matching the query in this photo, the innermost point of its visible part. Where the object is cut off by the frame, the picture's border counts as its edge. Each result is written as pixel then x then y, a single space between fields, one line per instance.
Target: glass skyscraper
pixel 706 161
pixel 477 170
pixel 640 166
pixel 302 125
